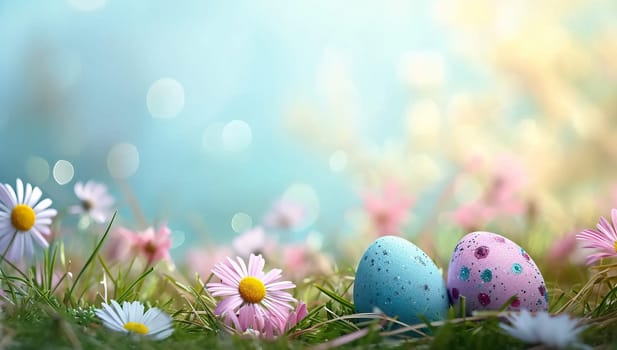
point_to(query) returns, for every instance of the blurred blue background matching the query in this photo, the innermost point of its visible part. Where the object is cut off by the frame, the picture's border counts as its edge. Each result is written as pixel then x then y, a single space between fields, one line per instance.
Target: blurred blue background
pixel 185 102
pixel 206 111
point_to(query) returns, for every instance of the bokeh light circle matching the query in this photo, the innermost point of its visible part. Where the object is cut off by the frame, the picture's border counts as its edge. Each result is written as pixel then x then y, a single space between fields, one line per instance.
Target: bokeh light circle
pixel 237 136
pixel 123 160
pixel 63 172
pixel 315 240
pixel 338 161
pixel 241 222
pixel 304 195
pixel 37 169
pixel 177 239
pixel 211 140
pixel 165 98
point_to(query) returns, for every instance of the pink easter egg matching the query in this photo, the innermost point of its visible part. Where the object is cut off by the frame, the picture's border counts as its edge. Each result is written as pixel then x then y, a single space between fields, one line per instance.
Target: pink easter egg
pixel 489 269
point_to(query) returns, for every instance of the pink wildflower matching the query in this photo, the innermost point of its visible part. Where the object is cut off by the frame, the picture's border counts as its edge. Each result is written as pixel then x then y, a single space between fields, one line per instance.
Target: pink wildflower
pixel 301 261
pixel 471 214
pixel 118 247
pixel 154 246
pixel 202 260
pixel 252 299
pixel 507 178
pixel 253 241
pixel 604 239
pixel 296 316
pixel 562 248
pixel 284 215
pixel 388 209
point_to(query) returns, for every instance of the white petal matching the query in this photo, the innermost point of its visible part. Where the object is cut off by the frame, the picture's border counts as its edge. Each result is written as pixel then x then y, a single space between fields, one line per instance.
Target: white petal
pixel 20 191
pixel 38 237
pixel 11 194
pixel 47 213
pixel 78 190
pixel 120 312
pixel 28 193
pixel 5 198
pixel 44 204
pixel 110 318
pixel 27 246
pixel 35 197
pixel 162 335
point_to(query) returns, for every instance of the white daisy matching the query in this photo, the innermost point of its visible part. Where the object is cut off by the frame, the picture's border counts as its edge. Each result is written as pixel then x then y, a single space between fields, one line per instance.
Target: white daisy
pixel 95 201
pixel 558 332
pixel 24 218
pixel 130 318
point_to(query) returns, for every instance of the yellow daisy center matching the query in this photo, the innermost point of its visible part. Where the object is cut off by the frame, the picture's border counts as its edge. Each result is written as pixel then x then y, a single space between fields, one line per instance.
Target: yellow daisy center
pixel 136 327
pixel 252 290
pixel 23 217
pixel 615 246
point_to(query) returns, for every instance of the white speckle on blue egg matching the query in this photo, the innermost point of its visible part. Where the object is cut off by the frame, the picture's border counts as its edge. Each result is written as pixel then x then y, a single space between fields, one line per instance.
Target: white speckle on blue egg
pixel 401 280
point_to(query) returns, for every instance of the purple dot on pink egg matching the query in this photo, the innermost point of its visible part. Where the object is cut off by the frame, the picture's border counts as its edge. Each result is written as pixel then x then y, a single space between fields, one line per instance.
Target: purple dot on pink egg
pixel 484 299
pixel 454 293
pixel 500 239
pixel 542 290
pixel 516 302
pixel 481 252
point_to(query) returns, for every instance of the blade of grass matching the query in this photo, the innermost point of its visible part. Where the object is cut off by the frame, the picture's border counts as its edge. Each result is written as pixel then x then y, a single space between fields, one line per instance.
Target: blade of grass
pixel 130 288
pixel 107 271
pixel 68 296
pixel 333 295
pixel 51 265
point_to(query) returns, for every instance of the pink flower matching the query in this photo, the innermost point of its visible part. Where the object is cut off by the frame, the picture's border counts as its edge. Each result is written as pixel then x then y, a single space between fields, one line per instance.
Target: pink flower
pixel 507 178
pixel 604 239
pixel 95 201
pixel 562 248
pixel 154 246
pixel 284 215
pixel 202 261
pixel 252 299
pixel 118 245
pixel 470 214
pixel 253 241
pixel 296 257
pixel 301 260
pixel 388 209
pixel 296 316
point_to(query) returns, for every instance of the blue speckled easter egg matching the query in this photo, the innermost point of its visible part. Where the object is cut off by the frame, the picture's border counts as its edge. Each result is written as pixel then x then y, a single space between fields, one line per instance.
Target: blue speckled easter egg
pixel 401 280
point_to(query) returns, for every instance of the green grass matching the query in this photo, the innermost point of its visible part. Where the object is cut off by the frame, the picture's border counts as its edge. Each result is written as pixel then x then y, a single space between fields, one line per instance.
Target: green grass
pixel 33 323
pixel 43 309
